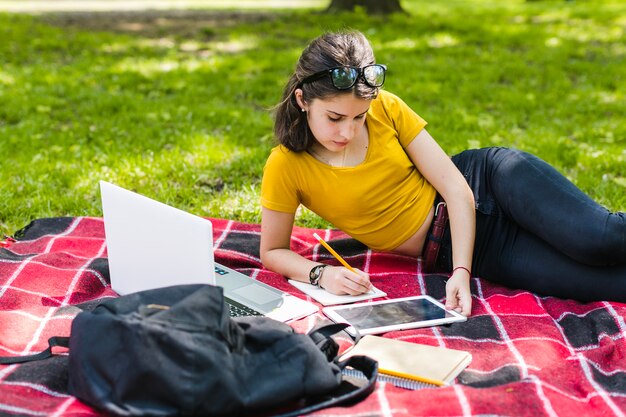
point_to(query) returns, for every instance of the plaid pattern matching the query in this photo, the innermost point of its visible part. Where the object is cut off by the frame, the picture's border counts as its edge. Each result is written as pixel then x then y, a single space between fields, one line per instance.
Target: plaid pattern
pixel 532 356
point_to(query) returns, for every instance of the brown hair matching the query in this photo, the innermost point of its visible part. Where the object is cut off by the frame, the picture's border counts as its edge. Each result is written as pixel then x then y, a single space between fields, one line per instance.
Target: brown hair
pixel 338 49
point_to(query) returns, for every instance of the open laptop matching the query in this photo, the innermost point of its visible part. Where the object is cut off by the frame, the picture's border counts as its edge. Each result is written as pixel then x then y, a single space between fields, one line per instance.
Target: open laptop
pixel 152 245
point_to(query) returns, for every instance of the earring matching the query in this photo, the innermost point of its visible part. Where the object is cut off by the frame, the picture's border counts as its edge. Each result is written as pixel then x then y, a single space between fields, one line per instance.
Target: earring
pixel 303 110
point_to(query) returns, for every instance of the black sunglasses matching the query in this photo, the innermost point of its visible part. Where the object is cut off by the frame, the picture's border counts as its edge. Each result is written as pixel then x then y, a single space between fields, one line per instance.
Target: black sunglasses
pixel 345 77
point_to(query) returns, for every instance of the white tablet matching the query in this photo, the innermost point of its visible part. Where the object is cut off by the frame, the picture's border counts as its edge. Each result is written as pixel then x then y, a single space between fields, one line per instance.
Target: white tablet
pixel 396 314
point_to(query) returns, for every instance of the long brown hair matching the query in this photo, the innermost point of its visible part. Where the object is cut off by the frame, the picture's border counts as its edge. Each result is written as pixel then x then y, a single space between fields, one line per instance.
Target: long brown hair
pixel 335 49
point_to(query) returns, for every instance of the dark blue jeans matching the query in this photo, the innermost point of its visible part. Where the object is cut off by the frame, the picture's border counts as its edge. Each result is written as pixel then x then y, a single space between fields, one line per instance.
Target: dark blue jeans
pixel 537 231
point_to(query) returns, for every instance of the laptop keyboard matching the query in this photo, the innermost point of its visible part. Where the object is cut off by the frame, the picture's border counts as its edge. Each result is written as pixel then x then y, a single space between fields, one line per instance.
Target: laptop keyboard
pixel 240 310
pixel 237 309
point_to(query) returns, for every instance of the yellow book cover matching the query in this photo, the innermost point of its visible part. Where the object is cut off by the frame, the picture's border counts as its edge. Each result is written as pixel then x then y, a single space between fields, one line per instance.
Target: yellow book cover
pixel 423 363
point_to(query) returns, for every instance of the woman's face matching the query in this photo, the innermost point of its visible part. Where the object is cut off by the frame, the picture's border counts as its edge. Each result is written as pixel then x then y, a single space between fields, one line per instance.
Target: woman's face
pixel 335 121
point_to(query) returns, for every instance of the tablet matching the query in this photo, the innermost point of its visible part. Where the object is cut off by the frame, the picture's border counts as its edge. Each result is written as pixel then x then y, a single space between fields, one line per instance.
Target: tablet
pixel 396 314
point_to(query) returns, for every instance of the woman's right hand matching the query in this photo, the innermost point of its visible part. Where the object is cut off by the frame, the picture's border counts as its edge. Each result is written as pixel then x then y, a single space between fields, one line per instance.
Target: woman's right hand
pixel 339 280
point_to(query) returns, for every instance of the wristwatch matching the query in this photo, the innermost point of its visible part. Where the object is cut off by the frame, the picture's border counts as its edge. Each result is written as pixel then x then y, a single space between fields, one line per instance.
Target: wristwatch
pixel 315 274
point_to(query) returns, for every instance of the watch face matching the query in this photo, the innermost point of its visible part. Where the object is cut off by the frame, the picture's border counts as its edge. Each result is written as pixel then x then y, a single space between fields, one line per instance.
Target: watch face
pixel 315 274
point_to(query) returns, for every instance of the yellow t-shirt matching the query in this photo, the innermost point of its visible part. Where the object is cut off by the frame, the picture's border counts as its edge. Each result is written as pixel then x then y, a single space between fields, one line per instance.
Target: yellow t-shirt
pixel 381 202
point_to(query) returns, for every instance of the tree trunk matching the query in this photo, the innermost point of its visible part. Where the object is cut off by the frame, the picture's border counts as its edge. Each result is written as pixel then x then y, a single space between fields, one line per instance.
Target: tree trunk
pixel 370 6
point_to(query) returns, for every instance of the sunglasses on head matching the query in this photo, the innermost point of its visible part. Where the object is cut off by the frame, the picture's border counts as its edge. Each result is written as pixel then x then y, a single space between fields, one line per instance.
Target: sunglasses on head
pixel 345 77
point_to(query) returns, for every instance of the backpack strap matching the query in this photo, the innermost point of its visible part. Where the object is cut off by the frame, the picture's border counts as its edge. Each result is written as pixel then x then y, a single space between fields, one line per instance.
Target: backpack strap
pixel 52 342
pixel 347 393
pixel 321 338
pixel 365 364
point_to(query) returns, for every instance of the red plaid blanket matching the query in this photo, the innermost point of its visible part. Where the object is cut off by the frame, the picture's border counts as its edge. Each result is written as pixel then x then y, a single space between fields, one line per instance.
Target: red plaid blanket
pixel 532 356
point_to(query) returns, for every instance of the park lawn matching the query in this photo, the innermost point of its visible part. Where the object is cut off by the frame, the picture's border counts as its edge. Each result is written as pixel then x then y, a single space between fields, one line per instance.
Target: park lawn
pixel 178 106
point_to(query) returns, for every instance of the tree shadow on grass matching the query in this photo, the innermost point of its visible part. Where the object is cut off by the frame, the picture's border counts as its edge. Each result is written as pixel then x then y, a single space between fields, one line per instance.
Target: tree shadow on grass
pixel 159 23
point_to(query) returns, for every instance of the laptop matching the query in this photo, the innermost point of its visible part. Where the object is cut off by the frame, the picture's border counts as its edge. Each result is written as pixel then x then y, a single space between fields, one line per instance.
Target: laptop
pixel 152 245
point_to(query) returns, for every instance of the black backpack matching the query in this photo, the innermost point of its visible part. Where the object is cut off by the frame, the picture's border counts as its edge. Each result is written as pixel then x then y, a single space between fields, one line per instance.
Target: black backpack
pixel 176 351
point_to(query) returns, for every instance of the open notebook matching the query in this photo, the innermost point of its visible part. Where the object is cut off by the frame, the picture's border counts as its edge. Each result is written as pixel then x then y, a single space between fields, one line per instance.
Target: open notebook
pixel 327 299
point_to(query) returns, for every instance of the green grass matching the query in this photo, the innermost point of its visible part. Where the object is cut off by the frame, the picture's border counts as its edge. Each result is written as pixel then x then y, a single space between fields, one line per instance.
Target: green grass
pixel 179 109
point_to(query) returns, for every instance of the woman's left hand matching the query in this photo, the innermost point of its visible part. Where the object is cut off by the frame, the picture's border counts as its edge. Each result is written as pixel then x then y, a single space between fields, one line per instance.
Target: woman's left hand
pixel 458 294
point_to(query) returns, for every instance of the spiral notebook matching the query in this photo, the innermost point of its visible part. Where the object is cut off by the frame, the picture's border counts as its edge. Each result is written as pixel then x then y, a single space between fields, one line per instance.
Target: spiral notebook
pixel 411 365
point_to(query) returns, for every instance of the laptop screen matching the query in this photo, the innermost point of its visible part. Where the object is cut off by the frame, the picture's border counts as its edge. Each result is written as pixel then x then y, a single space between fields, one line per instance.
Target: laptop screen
pixel 151 244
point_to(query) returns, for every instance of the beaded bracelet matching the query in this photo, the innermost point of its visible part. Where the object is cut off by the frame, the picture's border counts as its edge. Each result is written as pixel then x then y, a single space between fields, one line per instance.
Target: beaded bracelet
pixel 462 267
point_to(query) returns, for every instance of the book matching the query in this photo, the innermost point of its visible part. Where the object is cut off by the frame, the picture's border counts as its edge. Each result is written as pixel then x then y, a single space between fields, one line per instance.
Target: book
pixel 411 364
pixel 325 298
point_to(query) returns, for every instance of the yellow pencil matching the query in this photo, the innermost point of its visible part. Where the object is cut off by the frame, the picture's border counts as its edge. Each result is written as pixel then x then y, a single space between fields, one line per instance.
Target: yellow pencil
pixel 412 377
pixel 332 251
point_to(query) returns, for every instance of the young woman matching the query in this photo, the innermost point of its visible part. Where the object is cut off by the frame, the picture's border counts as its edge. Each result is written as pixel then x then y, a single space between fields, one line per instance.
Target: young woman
pixel 360 158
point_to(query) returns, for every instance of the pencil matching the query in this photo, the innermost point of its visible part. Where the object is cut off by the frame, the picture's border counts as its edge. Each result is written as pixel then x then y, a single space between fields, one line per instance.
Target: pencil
pixel 332 251
pixel 412 377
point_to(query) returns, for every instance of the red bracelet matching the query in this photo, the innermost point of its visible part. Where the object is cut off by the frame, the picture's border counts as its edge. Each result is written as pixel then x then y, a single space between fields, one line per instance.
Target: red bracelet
pixel 462 267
